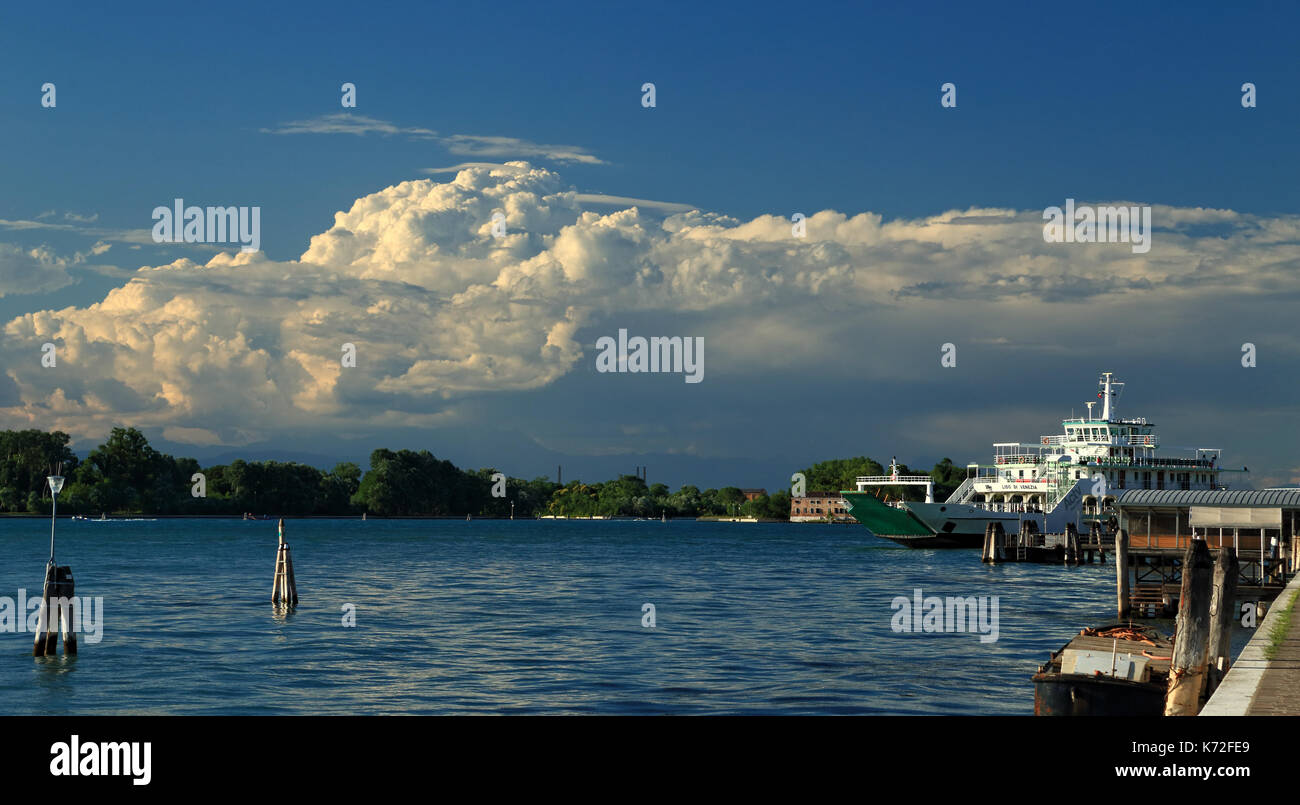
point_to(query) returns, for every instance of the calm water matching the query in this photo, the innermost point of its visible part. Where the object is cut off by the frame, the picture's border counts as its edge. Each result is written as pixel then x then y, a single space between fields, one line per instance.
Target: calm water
pixel 529 617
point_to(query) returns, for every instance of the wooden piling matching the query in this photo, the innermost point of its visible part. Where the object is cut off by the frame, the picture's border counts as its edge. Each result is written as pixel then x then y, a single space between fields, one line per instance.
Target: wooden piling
pixel 45 641
pixel 1121 574
pixel 1223 613
pixel 1192 635
pixel 65 595
pixel 1071 544
pixel 990 554
pixel 1095 537
pixel 292 583
pixel 284 588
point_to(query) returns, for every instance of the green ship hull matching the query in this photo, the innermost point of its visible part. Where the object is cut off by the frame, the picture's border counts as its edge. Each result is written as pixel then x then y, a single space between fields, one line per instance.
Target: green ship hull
pixel 937 526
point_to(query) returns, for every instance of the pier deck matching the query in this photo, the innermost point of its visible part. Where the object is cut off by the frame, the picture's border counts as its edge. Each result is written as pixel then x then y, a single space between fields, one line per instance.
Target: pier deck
pixel 1257 685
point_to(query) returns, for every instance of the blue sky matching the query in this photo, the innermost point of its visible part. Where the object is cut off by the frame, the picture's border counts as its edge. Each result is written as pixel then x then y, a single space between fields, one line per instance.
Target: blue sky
pixel 762 109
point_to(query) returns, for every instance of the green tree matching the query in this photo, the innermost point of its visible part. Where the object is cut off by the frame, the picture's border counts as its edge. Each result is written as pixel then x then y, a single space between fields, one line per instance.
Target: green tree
pixel 27 457
pixel 128 474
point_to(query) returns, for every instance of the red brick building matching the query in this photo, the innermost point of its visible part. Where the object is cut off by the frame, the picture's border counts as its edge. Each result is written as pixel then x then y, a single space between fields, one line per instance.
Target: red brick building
pixel 819 507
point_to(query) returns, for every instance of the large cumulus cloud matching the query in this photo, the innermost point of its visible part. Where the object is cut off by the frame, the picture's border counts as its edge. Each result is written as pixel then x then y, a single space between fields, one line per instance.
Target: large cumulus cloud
pixel 440 310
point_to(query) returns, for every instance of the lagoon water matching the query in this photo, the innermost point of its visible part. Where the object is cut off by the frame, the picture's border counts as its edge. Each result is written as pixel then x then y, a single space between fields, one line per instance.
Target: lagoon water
pixel 529 616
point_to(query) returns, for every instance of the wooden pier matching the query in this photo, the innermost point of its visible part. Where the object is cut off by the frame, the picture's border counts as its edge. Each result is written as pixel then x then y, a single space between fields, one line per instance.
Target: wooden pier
pixel 1151 581
pixel 1157 575
pixel 1070 548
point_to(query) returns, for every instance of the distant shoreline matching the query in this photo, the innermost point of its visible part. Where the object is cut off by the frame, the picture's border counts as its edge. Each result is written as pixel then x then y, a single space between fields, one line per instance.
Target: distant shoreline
pixel 369 517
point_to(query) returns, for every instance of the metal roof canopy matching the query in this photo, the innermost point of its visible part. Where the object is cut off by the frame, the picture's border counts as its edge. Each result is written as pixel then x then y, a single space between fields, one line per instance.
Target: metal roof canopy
pixel 1235 517
pixel 1182 498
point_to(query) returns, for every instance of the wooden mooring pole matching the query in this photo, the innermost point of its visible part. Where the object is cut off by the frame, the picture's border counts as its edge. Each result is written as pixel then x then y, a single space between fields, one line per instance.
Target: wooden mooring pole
pixel 284 589
pixel 1192 633
pixel 66 592
pixel 56 613
pixel 1121 575
pixel 1223 614
pixel 1071 544
pixel 46 637
pixel 991 532
pixel 1095 537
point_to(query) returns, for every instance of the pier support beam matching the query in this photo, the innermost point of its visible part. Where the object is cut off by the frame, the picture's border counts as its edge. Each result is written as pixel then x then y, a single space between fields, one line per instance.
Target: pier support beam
pixel 1121 575
pixel 1223 613
pixel 1192 638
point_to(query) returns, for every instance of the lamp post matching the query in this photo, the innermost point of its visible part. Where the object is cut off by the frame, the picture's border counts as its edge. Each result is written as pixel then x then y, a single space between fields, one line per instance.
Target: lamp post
pixel 56 485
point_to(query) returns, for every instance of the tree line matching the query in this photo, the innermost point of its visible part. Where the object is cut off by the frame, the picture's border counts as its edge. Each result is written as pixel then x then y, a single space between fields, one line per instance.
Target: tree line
pixel 125 475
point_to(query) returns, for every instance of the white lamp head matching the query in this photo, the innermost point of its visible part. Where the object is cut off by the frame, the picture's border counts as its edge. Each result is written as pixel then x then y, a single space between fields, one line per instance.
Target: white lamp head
pixel 56 483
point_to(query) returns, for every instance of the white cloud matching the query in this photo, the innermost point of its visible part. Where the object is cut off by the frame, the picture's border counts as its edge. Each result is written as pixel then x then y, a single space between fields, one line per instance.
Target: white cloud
pixel 243 347
pixel 346 123
pixel 627 201
pixel 139 236
pixel 485 146
pixel 500 166
pixel 27 271
pixel 473 145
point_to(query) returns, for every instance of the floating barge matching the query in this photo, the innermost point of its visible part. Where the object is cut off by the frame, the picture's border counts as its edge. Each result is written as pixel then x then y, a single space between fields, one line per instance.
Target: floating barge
pixel 1116 670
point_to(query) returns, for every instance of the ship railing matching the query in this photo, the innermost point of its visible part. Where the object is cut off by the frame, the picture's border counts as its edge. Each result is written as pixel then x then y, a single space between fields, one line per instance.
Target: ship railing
pixel 962 493
pixel 1158 463
pixel 1018 458
pixel 893 479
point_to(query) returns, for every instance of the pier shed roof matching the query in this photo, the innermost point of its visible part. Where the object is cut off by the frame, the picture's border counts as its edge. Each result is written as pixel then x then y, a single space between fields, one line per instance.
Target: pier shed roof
pixel 1288 498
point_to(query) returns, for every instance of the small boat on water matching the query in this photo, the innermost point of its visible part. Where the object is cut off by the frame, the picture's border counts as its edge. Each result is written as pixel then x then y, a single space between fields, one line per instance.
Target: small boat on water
pixel 1115 670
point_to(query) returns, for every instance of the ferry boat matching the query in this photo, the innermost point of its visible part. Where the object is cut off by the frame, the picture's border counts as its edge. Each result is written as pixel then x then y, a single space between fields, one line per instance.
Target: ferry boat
pixel 1064 478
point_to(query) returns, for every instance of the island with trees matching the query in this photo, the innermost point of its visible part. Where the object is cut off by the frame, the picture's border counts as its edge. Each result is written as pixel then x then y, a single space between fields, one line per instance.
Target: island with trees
pixel 125 475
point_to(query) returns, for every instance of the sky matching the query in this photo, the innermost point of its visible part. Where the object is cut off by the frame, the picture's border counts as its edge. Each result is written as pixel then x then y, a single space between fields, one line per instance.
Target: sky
pixel 924 228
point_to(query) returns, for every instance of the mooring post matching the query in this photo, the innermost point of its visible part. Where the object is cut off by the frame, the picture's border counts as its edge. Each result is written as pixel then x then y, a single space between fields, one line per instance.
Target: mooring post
pixel 988 555
pixel 44 640
pixel 1071 545
pixel 1192 633
pixel 288 568
pixel 284 589
pixel 1121 574
pixel 65 595
pixel 1223 613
